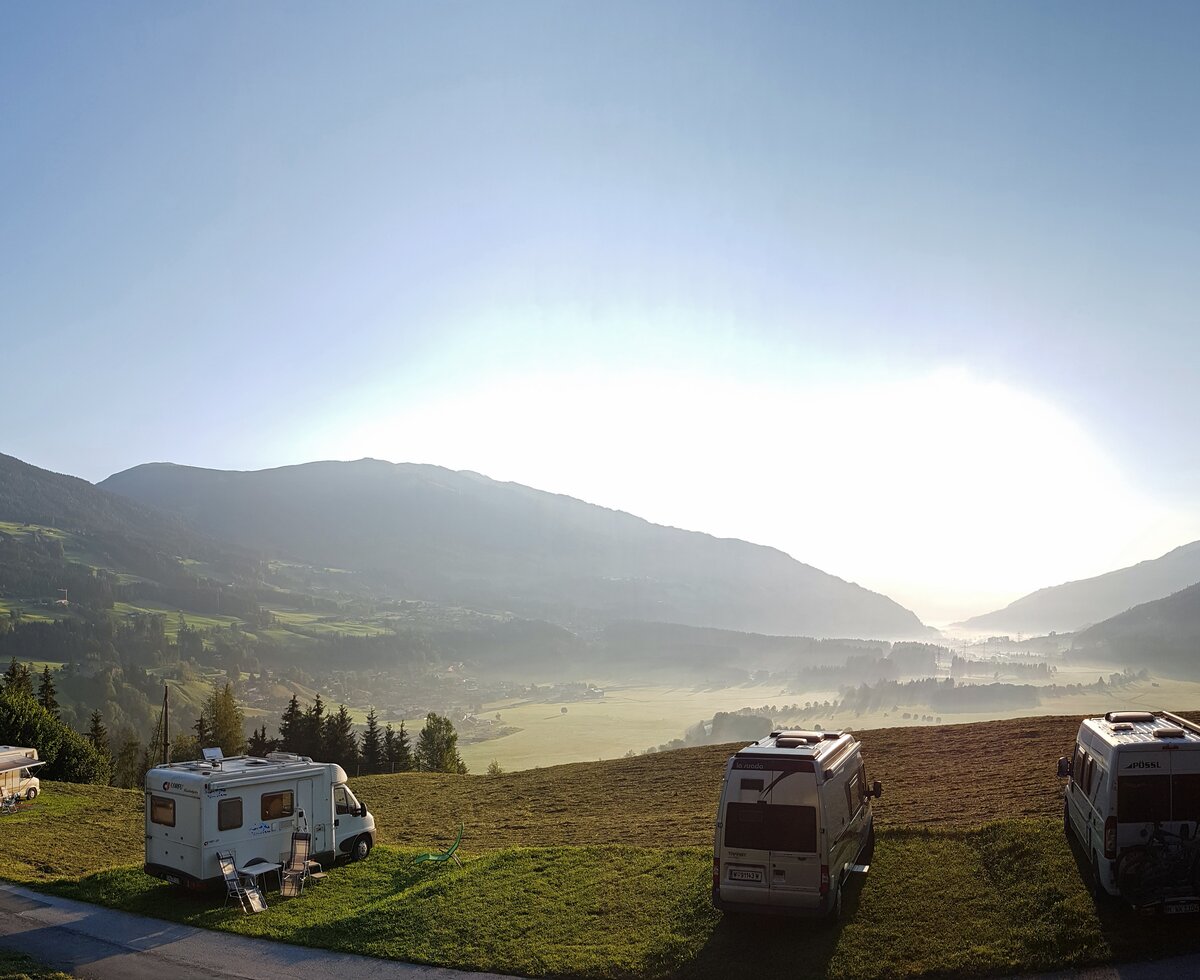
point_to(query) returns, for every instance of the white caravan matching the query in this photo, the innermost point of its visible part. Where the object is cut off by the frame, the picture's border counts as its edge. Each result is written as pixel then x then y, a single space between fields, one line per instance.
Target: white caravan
pixel 16 772
pixel 793 822
pixel 1132 801
pixel 250 806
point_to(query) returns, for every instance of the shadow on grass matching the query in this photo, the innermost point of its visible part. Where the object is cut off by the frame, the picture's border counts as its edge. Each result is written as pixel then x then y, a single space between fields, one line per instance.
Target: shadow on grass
pixel 756 946
pixel 1130 934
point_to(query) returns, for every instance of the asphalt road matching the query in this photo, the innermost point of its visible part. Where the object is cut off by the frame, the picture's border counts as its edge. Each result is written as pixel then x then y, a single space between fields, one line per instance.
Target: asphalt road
pixel 93 942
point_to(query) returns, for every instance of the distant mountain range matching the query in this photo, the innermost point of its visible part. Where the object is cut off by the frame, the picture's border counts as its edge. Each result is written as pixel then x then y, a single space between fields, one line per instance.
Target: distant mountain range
pixel 460 538
pixel 1074 605
pixel 1164 634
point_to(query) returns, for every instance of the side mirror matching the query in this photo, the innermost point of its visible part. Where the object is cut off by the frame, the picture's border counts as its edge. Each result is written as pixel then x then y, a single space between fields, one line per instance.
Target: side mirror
pixel 362 809
pixel 877 789
pixel 1064 767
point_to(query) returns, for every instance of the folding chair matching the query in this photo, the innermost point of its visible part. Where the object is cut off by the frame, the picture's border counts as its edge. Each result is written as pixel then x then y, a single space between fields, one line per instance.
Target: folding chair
pixel 249 896
pixel 297 866
pixel 444 856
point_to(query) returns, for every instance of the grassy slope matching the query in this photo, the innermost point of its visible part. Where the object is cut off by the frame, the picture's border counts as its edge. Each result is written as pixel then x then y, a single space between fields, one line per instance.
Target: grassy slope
pixel 18 966
pixel 602 870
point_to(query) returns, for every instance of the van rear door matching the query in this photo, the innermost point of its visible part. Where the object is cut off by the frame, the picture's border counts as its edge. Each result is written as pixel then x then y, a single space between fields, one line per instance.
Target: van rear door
pixel 770 833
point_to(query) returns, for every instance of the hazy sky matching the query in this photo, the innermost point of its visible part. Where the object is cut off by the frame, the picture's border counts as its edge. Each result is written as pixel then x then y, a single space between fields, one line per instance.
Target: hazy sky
pixel 906 290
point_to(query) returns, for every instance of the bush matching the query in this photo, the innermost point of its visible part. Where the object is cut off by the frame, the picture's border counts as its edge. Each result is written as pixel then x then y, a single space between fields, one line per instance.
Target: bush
pixel 68 755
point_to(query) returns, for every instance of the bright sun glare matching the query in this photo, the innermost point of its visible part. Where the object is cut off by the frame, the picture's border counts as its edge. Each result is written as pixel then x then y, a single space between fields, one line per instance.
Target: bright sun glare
pixel 949 493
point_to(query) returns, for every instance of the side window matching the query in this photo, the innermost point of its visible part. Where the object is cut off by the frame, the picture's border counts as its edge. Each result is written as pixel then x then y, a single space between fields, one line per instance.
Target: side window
pixel 1088 768
pixel 229 814
pixel 1077 765
pixel 275 806
pixel 162 810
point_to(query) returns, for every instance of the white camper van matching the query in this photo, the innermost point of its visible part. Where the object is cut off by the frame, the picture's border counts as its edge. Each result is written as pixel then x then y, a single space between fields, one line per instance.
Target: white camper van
pixel 250 806
pixel 1133 802
pixel 16 772
pixel 793 822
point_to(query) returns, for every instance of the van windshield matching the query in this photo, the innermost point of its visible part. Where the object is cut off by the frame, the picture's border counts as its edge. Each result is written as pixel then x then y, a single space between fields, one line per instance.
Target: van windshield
pixel 771 827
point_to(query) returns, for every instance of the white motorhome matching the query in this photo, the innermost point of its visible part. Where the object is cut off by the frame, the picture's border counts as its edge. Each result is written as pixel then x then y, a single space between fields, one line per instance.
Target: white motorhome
pixel 793 823
pixel 250 806
pixel 1132 801
pixel 16 772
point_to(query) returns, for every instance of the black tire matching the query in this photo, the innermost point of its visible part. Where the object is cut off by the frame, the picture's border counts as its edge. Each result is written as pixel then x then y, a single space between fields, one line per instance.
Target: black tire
pixel 360 848
pixel 1098 892
pixel 1132 870
pixel 31 793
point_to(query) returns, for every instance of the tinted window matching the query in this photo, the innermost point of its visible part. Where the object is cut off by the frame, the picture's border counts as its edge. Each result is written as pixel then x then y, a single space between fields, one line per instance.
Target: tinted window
pixel 1143 798
pixel 162 810
pixel 278 805
pixel 752 785
pixel 229 814
pixel 1185 796
pixel 771 827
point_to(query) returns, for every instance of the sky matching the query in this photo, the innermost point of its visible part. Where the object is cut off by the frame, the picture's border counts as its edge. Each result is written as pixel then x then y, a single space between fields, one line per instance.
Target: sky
pixel 907 291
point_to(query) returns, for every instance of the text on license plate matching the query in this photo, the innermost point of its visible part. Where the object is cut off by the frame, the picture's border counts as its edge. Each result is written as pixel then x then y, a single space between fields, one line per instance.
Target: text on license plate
pixel 745 874
pixel 1178 908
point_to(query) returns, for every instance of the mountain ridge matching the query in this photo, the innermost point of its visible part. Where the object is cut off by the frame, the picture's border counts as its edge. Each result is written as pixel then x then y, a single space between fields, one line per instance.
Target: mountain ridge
pixel 448 535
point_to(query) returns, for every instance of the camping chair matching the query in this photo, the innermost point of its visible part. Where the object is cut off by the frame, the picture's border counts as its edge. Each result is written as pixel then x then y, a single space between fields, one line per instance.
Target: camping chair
pixel 249 897
pixel 298 867
pixel 444 856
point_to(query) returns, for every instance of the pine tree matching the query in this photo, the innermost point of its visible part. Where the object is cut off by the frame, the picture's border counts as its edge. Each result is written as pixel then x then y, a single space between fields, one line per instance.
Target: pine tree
pixel 46 692
pixel 389 747
pixel 98 735
pixel 404 755
pixel 313 730
pixel 291 726
pixel 437 746
pixel 228 722
pixel 260 745
pixel 338 740
pixel 372 749
pixel 17 679
pixel 203 730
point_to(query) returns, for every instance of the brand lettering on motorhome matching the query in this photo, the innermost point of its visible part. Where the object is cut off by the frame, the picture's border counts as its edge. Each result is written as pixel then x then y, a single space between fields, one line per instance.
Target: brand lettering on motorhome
pixel 1143 764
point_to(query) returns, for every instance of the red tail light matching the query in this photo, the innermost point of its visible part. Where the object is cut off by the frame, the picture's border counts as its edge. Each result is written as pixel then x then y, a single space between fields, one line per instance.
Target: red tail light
pixel 716 872
pixel 1110 838
pixel 824 879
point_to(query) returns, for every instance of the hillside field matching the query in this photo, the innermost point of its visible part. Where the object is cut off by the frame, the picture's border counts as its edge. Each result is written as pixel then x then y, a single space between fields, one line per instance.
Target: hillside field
pixel 602 870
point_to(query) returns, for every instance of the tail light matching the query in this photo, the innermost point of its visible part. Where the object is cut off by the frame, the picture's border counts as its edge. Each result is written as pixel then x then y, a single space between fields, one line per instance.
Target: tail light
pixel 1110 838
pixel 824 879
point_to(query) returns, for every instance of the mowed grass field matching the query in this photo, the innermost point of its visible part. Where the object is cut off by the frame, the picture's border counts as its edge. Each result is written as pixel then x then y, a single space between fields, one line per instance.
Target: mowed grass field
pixel 602 870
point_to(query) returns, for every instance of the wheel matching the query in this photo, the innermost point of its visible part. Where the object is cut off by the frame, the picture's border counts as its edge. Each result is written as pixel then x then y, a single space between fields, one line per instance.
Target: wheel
pixel 1132 870
pixel 31 792
pixel 868 850
pixel 835 911
pixel 361 848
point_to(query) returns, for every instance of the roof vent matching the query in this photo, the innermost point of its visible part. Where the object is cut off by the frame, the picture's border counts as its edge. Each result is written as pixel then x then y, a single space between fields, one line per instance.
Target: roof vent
pixel 1129 716
pixel 1121 726
pixel 1169 733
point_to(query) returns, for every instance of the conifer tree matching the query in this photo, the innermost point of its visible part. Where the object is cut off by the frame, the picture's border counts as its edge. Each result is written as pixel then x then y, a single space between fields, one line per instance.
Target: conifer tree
pixel 46 692
pixel 98 735
pixel 228 722
pixel 437 746
pixel 372 749
pixel 339 743
pixel 203 730
pixel 291 726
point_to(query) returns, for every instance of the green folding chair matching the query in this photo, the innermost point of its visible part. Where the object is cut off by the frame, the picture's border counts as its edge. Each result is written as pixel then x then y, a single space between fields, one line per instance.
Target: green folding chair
pixel 444 856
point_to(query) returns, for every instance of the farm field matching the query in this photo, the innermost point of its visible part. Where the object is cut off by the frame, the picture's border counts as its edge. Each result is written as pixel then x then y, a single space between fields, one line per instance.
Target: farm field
pixel 601 870
pixel 638 718
pixel 625 719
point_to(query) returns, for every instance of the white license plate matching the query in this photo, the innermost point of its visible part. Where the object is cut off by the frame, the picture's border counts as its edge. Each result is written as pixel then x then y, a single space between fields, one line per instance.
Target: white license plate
pixel 746 874
pixel 1180 908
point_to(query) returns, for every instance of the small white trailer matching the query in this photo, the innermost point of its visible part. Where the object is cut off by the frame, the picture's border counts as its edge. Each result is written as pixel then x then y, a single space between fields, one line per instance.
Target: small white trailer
pixel 250 806
pixel 16 771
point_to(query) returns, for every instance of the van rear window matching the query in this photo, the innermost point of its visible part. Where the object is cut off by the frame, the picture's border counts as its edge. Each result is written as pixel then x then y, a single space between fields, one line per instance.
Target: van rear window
pixel 162 810
pixel 1185 796
pixel 1142 799
pixel 771 827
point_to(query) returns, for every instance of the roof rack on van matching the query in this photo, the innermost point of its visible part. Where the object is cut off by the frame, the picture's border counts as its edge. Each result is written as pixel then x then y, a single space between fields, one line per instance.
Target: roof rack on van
pixel 1191 726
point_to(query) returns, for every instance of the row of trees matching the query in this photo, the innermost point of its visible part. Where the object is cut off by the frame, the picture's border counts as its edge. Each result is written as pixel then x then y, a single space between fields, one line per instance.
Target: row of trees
pixel 330 736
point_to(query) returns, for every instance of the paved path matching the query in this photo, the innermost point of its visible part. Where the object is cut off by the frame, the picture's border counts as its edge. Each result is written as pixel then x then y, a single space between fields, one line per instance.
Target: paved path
pixel 103 944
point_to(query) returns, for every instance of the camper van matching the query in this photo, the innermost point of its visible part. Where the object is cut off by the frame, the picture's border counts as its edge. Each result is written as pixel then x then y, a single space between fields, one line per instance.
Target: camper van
pixel 1132 800
pixel 16 772
pixel 250 806
pixel 793 822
